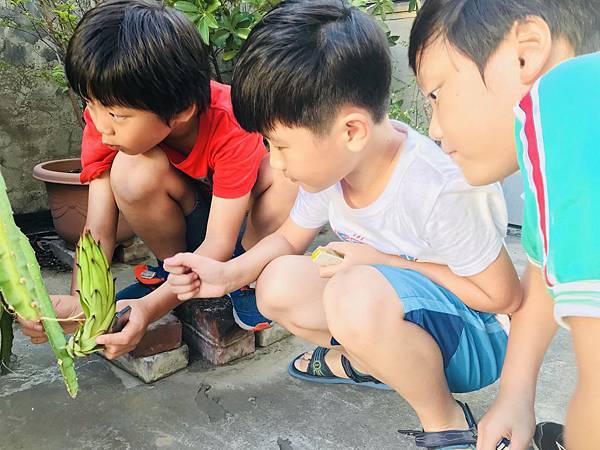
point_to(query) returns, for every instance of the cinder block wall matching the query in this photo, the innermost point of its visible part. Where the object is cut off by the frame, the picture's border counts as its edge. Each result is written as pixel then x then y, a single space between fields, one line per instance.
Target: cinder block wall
pixel 36 118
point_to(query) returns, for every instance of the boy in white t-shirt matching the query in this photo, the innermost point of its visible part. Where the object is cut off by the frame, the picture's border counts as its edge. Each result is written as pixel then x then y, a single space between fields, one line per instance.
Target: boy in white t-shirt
pixel 423 252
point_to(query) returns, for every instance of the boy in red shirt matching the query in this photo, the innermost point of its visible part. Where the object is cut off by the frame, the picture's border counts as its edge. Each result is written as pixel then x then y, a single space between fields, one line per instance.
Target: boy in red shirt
pixel 159 137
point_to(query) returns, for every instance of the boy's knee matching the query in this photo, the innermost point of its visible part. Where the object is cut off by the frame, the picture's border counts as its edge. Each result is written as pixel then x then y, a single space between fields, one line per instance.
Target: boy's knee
pixel 275 284
pixel 352 303
pixel 136 177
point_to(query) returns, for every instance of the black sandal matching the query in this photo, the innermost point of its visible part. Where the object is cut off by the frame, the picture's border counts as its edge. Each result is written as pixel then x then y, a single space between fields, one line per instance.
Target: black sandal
pixel 447 440
pixel 319 372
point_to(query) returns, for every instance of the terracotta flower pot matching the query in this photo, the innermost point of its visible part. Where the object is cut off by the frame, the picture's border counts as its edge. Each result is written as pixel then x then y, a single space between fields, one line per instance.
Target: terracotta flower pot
pixel 68 199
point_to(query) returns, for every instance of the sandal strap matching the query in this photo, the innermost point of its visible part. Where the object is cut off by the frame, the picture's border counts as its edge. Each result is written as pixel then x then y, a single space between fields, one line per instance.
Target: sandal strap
pixel 317 365
pixel 442 439
pixel 355 375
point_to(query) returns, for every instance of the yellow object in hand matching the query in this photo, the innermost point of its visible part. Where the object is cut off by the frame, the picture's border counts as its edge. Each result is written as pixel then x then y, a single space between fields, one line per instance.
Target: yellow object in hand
pixel 323 256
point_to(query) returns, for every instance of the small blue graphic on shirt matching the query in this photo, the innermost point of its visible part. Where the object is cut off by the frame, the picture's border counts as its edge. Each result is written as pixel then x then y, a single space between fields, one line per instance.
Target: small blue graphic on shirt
pixel 356 238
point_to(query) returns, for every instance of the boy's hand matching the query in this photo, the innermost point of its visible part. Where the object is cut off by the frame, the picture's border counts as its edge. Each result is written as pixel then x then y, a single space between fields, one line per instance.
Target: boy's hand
pixel 354 255
pixel 192 275
pixel 511 417
pixel 117 344
pixel 66 306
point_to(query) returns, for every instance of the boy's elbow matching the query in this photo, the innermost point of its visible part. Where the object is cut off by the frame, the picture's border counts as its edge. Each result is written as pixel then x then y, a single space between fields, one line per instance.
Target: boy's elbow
pixel 511 301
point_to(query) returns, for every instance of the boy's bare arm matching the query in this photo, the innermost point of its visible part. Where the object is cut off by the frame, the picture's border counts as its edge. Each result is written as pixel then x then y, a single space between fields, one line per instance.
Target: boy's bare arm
pixel 532 329
pixel 196 276
pixel 102 218
pixel 224 223
pixel 500 285
pixel 496 289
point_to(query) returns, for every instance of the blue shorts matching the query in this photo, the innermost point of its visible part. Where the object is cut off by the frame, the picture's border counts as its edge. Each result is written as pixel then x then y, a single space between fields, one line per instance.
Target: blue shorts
pixel 473 344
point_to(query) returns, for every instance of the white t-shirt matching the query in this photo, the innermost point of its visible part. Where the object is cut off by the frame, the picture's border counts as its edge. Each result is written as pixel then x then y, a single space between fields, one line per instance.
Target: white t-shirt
pixel 427 212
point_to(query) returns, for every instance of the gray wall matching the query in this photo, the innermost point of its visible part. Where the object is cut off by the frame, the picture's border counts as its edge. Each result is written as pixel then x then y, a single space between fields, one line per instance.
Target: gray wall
pixel 36 119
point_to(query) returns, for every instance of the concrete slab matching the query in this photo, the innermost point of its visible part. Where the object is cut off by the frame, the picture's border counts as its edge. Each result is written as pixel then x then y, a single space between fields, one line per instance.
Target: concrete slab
pixel 250 404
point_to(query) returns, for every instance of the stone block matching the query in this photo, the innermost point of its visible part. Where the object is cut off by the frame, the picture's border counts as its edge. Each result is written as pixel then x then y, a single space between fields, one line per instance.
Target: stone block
pixel 153 368
pixel 133 252
pixel 130 254
pixel 59 249
pixel 274 334
pixel 209 329
pixel 161 336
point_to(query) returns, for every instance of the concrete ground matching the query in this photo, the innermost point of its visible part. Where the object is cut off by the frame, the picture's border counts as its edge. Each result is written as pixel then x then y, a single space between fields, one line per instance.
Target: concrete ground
pixel 251 403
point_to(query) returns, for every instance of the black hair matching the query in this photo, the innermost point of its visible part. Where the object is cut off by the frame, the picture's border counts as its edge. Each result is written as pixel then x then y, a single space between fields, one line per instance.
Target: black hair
pixel 304 60
pixel 139 54
pixel 477 27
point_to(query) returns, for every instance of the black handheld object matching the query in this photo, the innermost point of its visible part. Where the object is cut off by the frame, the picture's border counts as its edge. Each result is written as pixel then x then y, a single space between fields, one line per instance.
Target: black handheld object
pixel 121 319
pixel 503 444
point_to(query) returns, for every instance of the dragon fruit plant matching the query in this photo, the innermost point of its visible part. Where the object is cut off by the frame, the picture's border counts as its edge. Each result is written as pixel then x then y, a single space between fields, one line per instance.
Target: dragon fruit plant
pixel 23 293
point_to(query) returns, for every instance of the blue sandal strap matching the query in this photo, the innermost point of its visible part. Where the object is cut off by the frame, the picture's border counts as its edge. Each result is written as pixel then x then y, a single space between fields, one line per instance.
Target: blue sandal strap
pixel 355 375
pixel 317 365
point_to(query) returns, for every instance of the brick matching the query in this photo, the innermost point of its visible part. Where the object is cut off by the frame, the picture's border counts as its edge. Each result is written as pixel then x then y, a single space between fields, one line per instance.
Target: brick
pixel 210 330
pixel 219 354
pixel 59 249
pixel 274 334
pixel 153 368
pixel 161 336
pixel 212 318
pixel 133 253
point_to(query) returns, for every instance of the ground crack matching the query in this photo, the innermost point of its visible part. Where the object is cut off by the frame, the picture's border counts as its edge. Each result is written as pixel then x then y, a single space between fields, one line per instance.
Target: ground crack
pixel 209 404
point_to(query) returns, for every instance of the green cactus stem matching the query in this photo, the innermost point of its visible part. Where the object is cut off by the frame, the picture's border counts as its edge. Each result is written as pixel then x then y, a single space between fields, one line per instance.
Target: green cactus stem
pixel 23 289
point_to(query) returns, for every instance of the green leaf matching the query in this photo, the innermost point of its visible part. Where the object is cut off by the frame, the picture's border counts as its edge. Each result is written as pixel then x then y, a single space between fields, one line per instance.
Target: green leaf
pixel 219 37
pixel 203 29
pixel 243 33
pixel 228 56
pixel 211 21
pixel 186 7
pixel 213 6
pixel 246 23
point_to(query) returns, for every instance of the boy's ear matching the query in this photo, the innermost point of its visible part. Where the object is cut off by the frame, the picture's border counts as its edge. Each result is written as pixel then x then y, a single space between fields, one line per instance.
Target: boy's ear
pixel 183 116
pixel 356 128
pixel 533 39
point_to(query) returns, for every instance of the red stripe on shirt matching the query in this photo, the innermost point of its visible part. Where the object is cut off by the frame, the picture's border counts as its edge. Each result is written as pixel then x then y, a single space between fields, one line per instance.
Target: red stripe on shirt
pixel 534 157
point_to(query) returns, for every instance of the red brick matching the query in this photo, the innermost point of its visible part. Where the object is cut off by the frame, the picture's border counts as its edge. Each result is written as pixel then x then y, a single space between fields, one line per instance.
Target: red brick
pixel 163 335
pixel 210 330
pixel 219 354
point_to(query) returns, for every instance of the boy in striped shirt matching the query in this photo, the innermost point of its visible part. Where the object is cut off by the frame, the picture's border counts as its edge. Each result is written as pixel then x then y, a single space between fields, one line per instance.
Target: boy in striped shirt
pixel 516 84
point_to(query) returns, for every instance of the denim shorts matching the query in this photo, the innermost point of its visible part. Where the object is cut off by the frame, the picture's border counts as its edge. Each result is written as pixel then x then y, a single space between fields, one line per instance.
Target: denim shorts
pixel 196 221
pixel 472 343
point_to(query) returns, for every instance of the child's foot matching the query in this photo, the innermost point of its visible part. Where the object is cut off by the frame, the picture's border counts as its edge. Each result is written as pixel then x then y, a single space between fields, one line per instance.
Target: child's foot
pixel 548 436
pixel 329 366
pixel 245 311
pixel 333 360
pixel 148 278
pixel 461 433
